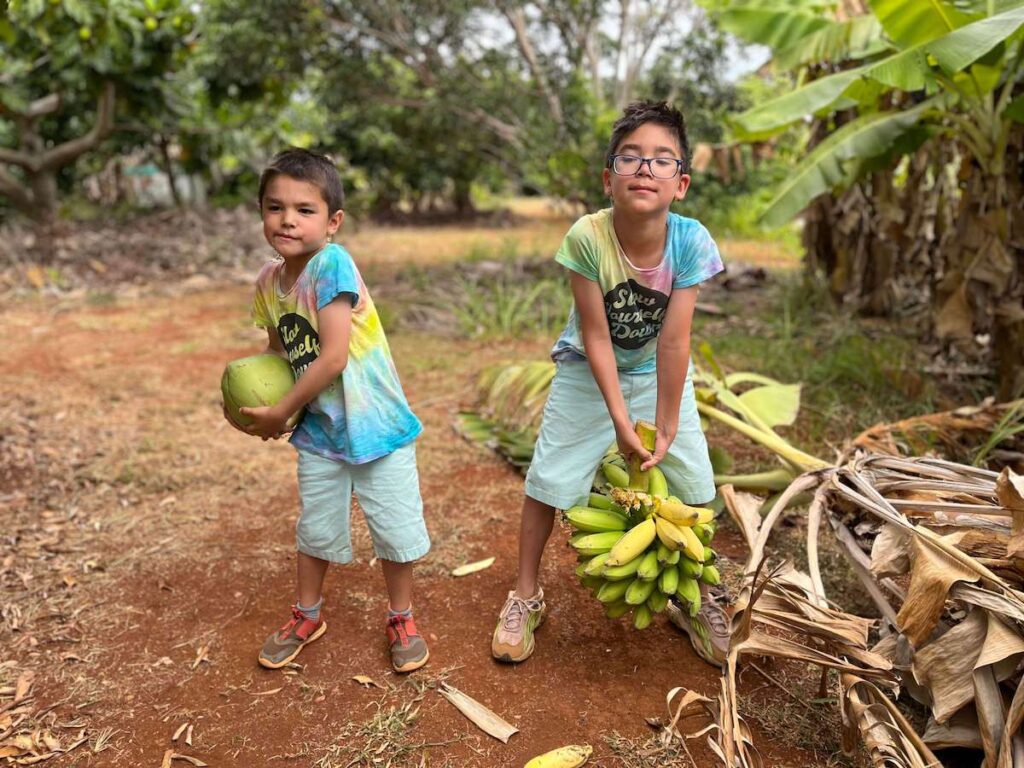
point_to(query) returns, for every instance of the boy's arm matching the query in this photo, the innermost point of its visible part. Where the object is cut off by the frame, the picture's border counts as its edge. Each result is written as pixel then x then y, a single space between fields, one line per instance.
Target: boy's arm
pixel 335 328
pixel 597 343
pixel 673 360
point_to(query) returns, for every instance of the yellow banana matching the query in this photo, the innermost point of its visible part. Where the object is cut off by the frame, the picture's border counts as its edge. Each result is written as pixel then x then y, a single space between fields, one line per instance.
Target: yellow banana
pixel 668 533
pixel 632 543
pixel 693 548
pixel 572 756
pixel 706 515
pixel 657 484
pixel 679 513
pixel 595 565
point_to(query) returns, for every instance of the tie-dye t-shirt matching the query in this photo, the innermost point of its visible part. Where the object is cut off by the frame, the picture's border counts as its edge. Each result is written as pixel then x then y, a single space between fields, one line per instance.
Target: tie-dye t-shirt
pixel 363 415
pixel 635 300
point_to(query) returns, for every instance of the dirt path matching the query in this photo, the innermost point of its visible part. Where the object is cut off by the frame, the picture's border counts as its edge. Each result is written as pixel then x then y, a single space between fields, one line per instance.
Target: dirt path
pixel 147 549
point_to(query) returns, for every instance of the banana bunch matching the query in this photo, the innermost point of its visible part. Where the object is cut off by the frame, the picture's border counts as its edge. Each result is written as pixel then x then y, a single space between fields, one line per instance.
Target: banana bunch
pixel 637 545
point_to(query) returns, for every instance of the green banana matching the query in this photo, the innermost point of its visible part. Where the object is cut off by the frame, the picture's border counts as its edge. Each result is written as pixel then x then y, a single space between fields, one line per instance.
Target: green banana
pixel 664 553
pixel 599 501
pixel 595 565
pixel 595 543
pixel 710 556
pixel 657 602
pixel 689 592
pixel 619 572
pixel 638 591
pixel 710 575
pixel 657 484
pixel 595 520
pixel 649 566
pixel 617 609
pixel 612 591
pixel 704 532
pixel 616 476
pixel 690 568
pixel 591 582
pixel 669 580
pixel 642 617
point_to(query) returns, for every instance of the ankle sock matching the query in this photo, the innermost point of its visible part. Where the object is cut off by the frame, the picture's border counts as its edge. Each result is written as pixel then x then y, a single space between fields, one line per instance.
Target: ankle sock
pixel 407 613
pixel 312 612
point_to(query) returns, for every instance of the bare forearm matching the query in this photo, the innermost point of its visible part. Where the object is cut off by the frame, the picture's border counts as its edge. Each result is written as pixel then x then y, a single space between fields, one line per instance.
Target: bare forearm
pixel 601 358
pixel 673 361
pixel 320 374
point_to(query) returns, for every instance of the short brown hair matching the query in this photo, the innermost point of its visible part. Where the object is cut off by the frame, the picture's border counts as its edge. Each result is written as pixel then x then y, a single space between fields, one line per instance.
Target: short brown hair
pixel 307 166
pixel 660 112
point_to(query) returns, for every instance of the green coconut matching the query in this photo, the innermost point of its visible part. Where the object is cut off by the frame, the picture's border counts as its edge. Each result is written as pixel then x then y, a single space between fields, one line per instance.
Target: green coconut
pixel 251 382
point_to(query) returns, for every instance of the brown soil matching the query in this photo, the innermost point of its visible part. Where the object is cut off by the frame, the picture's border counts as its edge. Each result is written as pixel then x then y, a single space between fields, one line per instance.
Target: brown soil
pixel 146 549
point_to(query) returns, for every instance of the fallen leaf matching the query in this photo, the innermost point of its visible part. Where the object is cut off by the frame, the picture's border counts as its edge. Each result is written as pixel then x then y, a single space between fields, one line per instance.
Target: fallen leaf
pixel 201 656
pixel 164 661
pixel 177 733
pixel 188 735
pixel 35 276
pixel 481 716
pixel 932 574
pixel 271 692
pixel 24 685
pixel 1010 492
pixel 468 568
pixel 366 681
pixel 97 266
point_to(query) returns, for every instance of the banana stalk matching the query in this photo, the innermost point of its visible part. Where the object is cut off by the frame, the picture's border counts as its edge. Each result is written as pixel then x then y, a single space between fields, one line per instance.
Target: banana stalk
pixel 639 480
pixel 802 461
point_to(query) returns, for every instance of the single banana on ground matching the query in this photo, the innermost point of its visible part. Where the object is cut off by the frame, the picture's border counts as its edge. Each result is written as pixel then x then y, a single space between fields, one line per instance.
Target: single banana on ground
pixel 571 756
pixel 632 543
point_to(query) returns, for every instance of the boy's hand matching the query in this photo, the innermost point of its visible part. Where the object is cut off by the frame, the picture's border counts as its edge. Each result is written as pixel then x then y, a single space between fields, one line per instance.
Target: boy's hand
pixel 267 422
pixel 231 421
pixel 662 440
pixel 629 443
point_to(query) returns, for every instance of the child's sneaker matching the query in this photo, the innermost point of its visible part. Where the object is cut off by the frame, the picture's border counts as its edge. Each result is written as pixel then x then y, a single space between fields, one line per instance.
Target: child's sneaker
pixel 513 637
pixel 408 648
pixel 708 630
pixel 284 645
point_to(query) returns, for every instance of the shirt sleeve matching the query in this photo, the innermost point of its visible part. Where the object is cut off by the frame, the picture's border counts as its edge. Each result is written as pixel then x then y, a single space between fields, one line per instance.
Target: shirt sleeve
pixel 698 259
pixel 259 310
pixel 578 250
pixel 336 275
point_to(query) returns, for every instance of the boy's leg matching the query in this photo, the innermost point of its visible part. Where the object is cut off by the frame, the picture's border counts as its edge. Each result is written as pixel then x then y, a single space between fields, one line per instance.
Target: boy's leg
pixel 575 432
pixel 322 536
pixel 687 468
pixel 389 492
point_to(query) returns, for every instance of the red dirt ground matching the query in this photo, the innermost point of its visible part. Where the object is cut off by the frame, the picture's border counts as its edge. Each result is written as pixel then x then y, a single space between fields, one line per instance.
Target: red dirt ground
pixel 176 532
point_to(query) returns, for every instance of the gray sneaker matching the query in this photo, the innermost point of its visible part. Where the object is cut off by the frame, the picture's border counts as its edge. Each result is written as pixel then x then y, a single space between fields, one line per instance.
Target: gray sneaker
pixel 408 648
pixel 284 645
pixel 708 630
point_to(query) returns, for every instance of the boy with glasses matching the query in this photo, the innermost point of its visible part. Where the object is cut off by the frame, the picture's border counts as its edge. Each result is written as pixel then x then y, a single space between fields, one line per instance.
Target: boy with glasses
pixel 635 271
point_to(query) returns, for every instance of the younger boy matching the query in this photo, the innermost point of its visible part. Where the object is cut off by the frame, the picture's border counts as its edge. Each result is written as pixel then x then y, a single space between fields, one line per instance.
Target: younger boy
pixel 357 433
pixel 624 355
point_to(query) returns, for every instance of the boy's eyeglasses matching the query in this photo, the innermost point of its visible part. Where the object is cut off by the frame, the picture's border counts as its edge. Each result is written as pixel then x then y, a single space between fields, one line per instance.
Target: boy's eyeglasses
pixel 660 167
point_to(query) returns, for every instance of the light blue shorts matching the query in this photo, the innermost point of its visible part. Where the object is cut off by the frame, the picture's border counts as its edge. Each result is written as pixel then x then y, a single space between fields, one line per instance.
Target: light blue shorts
pixel 388 489
pixel 576 430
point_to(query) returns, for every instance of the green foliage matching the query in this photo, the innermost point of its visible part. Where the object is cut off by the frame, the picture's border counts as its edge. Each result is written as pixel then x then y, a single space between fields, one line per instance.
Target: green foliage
pixel 508 309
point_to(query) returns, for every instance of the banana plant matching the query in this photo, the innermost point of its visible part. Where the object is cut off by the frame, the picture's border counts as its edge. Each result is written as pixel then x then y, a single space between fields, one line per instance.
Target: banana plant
pixel 923 68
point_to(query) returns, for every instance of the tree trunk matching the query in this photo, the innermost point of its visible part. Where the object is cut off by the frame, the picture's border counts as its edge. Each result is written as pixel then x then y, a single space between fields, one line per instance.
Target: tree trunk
pixel 165 155
pixel 43 213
